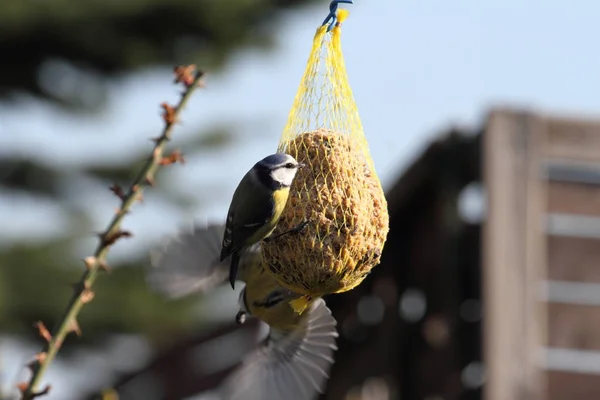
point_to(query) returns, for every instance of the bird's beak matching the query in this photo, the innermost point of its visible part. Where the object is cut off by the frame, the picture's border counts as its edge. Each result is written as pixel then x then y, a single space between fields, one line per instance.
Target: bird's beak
pixel 301 165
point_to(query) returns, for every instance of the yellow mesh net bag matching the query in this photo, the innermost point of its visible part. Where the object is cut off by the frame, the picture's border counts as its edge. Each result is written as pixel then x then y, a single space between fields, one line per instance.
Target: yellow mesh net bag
pixel 338 192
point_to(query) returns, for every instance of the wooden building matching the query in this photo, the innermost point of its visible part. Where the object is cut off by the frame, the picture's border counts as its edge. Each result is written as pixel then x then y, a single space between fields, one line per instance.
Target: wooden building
pixel 499 303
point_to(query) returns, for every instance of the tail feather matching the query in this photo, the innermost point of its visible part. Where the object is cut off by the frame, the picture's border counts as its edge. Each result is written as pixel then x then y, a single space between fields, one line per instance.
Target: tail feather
pixel 233 268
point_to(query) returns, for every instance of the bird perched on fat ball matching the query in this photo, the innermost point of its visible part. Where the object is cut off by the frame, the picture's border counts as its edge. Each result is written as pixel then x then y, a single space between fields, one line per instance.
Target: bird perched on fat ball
pixel 294 361
pixel 256 206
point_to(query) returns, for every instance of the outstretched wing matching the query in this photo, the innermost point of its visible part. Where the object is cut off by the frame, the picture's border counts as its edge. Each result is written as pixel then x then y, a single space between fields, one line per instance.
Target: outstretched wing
pixel 292 365
pixel 189 263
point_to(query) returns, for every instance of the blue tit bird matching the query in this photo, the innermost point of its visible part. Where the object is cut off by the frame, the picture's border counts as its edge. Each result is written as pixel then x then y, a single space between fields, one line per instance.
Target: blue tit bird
pixel 256 206
pixel 293 362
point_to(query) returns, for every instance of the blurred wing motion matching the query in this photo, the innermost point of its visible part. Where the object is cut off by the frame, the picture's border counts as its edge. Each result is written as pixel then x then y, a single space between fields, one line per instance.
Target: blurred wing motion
pixel 295 360
pixel 189 263
pixel 291 365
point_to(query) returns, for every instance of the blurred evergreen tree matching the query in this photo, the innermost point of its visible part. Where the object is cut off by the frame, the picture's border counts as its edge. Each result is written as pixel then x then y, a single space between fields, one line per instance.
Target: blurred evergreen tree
pixel 98 39
pixel 90 42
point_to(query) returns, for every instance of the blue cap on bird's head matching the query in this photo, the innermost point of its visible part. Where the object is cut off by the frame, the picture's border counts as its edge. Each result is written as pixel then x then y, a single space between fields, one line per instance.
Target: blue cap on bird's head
pixel 278 160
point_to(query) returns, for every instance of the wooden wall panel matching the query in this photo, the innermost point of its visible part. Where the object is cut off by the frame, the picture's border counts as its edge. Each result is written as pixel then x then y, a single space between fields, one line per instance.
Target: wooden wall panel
pixel 573 139
pixel 574 326
pixel 573 259
pixel 573 386
pixel 574 198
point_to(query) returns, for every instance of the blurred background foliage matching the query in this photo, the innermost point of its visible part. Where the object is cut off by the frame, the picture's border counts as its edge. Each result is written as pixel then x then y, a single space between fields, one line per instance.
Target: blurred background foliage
pixel 53 48
pixel 65 53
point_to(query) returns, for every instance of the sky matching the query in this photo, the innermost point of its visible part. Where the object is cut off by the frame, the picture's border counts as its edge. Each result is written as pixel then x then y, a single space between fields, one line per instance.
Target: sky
pixel 416 68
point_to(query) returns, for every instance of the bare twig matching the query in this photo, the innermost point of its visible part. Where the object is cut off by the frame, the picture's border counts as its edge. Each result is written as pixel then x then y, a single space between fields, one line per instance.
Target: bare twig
pixel 191 79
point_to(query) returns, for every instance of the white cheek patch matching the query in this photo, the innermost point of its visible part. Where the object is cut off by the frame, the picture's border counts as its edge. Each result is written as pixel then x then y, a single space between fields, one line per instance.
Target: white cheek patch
pixel 283 175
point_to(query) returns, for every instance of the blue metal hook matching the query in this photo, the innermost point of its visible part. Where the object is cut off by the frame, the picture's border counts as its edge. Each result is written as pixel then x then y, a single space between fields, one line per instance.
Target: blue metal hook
pixel 333 6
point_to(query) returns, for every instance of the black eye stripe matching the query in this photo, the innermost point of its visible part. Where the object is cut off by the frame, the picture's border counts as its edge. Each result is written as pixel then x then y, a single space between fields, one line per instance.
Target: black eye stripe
pixel 286 166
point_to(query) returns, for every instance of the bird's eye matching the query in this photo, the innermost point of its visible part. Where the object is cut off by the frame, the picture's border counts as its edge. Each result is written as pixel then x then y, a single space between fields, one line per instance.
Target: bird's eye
pixel 289 165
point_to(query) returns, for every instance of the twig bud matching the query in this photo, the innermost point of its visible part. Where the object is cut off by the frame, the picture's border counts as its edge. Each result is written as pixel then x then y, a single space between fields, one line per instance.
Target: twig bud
pixel 118 191
pixel 74 327
pixel 24 387
pixel 86 295
pixel 173 158
pixel 185 74
pixel 110 238
pixel 139 194
pixel 169 113
pixel 90 262
pixel 43 331
pixel 39 359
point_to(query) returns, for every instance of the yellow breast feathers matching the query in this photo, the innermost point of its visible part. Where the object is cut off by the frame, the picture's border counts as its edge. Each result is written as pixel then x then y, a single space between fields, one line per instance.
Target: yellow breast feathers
pixel 280 199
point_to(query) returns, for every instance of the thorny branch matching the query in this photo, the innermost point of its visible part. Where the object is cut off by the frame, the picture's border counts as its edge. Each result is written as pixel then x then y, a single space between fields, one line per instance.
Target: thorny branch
pixel 191 79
